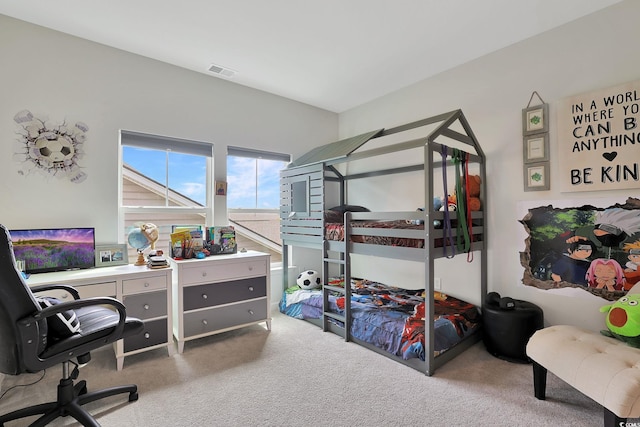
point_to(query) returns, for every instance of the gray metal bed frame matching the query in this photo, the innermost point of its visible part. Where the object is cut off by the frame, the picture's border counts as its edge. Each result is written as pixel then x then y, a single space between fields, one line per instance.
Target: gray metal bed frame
pixel 302 222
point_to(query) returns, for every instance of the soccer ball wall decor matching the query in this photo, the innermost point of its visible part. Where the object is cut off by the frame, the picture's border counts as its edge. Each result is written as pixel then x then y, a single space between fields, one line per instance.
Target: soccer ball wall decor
pixel 49 148
pixel 309 279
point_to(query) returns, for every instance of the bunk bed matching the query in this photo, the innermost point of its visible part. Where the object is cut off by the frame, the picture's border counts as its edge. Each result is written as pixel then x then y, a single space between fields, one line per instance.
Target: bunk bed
pixel 447 147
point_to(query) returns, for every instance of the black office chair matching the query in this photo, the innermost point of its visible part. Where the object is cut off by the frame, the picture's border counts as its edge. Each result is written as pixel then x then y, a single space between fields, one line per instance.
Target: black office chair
pixel 29 342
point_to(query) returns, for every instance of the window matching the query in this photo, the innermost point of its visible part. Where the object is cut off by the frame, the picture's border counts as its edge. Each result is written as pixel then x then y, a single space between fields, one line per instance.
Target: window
pixel 165 181
pixel 254 178
pixel 253 198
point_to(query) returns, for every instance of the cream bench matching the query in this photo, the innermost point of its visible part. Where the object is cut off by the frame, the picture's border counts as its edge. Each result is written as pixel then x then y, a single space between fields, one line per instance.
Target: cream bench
pixel 605 369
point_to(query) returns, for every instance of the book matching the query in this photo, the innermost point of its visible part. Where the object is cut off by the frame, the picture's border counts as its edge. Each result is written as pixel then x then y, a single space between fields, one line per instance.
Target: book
pixel 222 240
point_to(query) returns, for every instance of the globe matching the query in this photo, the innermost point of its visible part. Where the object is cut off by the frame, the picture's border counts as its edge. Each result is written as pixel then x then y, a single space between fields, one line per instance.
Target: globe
pixel 138 240
pixel 141 238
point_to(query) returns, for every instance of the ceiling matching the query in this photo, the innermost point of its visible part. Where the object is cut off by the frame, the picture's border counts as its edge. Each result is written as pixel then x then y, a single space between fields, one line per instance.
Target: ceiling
pixel 332 54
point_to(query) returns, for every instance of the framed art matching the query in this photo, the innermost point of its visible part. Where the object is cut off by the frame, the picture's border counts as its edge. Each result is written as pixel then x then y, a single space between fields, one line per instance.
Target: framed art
pixel 536 176
pixel 108 255
pixel 535 119
pixel 536 148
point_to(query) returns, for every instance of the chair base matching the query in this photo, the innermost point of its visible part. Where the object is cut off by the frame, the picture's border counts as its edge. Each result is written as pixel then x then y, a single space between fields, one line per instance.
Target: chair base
pixel 71 397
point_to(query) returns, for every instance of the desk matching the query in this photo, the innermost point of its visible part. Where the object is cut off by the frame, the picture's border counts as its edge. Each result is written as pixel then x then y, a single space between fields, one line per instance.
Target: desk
pixel 144 292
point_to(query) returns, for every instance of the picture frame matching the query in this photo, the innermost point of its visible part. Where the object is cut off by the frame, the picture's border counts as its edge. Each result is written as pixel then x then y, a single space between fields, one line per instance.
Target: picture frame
pixel 535 119
pixel 109 255
pixel 536 176
pixel 536 148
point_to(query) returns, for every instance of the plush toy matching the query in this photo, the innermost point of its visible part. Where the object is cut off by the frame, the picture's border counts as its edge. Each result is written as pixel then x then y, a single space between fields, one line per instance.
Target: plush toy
pixel 474 192
pixel 623 319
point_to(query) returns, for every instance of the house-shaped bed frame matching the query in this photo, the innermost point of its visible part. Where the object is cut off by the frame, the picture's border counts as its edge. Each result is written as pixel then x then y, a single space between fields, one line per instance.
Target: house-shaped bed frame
pixel 303 195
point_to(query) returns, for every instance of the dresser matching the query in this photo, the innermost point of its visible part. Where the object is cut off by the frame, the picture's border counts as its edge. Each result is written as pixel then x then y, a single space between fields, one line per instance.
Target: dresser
pixel 219 293
pixel 144 292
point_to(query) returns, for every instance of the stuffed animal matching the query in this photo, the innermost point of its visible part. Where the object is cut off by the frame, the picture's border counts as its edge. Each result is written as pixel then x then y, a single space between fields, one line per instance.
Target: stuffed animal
pixel 623 319
pixel 474 192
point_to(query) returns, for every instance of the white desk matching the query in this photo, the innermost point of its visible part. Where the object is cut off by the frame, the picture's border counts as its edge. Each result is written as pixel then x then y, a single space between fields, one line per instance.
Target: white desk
pixel 144 292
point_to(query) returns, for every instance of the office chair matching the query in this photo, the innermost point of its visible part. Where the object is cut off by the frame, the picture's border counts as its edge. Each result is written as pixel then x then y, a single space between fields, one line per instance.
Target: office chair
pixel 31 340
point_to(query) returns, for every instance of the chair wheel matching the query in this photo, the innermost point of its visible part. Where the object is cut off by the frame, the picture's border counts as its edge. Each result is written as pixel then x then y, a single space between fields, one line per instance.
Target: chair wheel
pixel 133 396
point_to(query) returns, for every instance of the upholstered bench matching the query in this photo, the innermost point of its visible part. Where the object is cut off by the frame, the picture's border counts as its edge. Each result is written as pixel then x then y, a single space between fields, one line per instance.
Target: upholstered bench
pixel 605 369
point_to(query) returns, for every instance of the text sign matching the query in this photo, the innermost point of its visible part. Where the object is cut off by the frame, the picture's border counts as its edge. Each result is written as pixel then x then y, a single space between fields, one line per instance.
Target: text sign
pixel 599 139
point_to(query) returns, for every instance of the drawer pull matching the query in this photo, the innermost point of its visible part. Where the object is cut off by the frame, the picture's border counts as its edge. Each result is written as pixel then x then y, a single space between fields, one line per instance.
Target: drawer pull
pixel 204 322
pixel 146 335
pixel 204 296
pixel 146 306
pixel 146 284
pixel 251 312
pixel 250 288
pixel 204 274
pixel 251 268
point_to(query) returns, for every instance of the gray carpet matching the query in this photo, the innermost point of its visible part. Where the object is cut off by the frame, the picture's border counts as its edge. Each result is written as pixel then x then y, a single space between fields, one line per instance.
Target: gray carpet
pixel 296 375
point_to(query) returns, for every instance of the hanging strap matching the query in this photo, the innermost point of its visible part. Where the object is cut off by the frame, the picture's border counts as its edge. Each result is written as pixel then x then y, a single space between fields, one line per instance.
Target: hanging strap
pixel 468 196
pixel 447 235
pixel 462 233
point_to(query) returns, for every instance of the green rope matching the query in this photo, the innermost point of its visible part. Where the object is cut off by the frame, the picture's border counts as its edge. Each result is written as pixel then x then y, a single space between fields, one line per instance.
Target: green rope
pixel 463 242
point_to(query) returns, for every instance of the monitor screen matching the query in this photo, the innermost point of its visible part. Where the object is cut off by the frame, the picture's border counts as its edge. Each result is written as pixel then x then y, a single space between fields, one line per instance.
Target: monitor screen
pixel 54 249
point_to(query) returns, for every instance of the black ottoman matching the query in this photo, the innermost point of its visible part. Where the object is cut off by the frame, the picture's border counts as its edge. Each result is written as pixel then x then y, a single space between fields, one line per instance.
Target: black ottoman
pixel 508 325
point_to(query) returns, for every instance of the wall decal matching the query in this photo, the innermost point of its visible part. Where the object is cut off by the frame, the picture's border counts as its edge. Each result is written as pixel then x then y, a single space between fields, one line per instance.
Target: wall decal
pixel 593 248
pixel 51 149
pixel 598 139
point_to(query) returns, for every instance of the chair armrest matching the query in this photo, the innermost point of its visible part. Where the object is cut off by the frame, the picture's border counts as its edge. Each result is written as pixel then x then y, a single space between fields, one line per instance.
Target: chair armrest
pixel 86 302
pixel 28 331
pixel 41 288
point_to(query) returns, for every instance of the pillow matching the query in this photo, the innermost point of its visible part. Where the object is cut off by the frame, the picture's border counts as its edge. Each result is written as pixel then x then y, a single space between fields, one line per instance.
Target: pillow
pixel 349 208
pixel 61 325
pixel 333 216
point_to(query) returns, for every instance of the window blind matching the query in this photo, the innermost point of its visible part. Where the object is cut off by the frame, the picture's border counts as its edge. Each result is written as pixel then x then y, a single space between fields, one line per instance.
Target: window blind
pixel 157 142
pixel 257 154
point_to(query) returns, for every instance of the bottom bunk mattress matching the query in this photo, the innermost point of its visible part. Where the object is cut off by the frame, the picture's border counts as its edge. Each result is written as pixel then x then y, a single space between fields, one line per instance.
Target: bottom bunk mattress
pixel 390 318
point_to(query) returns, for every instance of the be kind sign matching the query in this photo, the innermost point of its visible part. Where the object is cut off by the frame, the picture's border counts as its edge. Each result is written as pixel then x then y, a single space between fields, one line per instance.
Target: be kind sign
pixel 599 139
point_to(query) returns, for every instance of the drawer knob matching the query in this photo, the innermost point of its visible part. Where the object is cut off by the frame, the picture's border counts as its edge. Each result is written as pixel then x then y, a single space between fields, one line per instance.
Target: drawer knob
pixel 250 288
pixel 146 284
pixel 204 273
pixel 251 268
pixel 204 322
pixel 146 335
pixel 251 312
pixel 146 306
pixel 204 296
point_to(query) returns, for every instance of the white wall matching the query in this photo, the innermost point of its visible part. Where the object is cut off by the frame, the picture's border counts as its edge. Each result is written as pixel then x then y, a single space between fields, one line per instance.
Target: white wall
pixel 595 52
pixel 66 78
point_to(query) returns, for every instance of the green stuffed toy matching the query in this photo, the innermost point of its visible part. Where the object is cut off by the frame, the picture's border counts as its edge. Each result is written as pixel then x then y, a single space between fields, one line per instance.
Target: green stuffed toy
pixel 623 319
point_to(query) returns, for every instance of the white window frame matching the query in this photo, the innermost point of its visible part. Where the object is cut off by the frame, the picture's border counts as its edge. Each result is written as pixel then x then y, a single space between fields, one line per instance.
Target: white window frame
pixel 157 142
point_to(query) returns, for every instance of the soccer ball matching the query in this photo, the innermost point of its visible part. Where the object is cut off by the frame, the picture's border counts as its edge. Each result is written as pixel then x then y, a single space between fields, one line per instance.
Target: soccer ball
pixel 54 151
pixel 308 279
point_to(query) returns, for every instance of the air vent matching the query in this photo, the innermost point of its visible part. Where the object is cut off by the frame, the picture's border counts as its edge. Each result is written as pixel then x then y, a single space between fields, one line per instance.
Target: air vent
pixel 222 71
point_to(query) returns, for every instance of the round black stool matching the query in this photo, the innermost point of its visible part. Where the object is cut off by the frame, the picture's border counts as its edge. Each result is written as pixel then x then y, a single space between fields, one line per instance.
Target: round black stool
pixel 507 326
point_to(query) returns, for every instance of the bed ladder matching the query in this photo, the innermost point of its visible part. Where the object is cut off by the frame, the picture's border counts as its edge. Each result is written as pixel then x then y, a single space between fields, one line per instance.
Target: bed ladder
pixel 345 291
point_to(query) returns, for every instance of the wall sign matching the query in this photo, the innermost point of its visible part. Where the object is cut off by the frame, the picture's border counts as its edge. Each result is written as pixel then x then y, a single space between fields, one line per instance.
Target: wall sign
pixel 599 139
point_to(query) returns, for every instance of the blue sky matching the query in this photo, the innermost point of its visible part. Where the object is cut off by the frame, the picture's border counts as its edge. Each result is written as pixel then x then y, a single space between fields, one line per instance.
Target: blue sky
pixel 187 176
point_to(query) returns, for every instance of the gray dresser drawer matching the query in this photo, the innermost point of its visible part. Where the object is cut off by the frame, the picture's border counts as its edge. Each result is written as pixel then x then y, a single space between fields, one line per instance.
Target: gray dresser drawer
pixel 204 321
pixel 146 305
pixel 154 333
pixel 213 294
